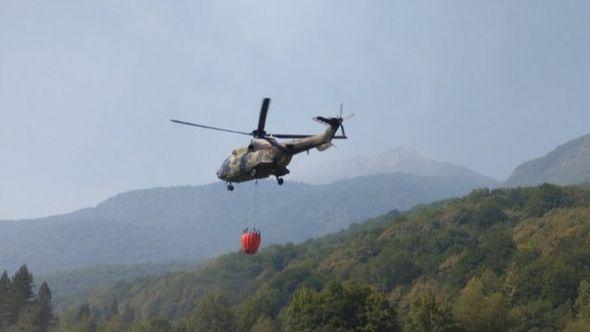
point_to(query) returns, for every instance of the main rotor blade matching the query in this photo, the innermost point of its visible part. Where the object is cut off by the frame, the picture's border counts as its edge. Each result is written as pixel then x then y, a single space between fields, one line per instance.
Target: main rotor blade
pixel 209 127
pixel 288 136
pixel 301 136
pixel 263 112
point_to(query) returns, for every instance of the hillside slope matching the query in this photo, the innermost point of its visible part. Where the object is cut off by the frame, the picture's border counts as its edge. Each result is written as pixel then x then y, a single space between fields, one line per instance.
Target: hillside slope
pixel 192 222
pixel 567 164
pixel 70 287
pixel 493 260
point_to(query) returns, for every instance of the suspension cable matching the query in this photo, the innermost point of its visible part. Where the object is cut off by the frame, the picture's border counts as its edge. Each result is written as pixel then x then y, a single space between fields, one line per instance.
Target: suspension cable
pixel 254 203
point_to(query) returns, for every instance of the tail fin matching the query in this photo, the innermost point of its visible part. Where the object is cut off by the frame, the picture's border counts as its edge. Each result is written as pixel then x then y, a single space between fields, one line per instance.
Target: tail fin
pixel 334 123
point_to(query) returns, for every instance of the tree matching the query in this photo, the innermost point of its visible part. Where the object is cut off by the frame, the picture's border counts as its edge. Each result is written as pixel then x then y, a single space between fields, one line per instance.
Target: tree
pixel 582 305
pixel 266 302
pixel 429 315
pixel 112 310
pixel 84 312
pixel 489 213
pixel 475 310
pixel 4 293
pixel 301 312
pixel 115 325
pixel 44 311
pixel 212 314
pixel 266 324
pixel 152 325
pixel 127 315
pixel 85 320
pixel 20 295
pixel 581 320
pixel 119 320
pixel 25 322
pixel 545 198
pixel 340 307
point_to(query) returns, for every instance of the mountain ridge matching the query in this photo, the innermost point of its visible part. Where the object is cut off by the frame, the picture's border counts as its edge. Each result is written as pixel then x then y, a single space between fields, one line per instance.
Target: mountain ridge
pixel 193 222
pixel 403 159
pixel 567 164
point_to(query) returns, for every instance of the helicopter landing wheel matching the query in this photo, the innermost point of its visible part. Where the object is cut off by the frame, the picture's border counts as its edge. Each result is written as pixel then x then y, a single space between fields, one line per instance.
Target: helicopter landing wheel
pixel 280 181
pixel 230 187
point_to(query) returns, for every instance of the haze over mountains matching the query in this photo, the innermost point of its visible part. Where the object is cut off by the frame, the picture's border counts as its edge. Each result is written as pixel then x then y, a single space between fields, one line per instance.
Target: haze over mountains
pixel 401 159
pixel 566 164
pixel 192 222
pixel 189 223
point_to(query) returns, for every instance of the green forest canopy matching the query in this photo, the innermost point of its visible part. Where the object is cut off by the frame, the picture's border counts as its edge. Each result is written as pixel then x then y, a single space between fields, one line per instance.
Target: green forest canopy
pixel 505 259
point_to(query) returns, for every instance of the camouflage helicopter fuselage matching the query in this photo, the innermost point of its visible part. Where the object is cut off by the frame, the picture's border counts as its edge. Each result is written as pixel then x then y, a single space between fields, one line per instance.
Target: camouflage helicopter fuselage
pixel 266 156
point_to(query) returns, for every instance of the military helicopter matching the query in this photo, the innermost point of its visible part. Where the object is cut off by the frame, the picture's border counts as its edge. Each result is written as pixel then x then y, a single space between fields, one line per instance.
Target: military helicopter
pixel 265 156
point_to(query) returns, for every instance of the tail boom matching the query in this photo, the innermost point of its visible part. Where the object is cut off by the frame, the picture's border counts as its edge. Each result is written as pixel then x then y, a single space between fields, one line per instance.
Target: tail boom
pixel 322 141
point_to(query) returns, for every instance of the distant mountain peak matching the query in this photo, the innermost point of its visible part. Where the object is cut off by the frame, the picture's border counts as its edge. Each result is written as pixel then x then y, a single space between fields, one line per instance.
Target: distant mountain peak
pixel 567 164
pixel 402 159
pixel 402 153
pixel 404 150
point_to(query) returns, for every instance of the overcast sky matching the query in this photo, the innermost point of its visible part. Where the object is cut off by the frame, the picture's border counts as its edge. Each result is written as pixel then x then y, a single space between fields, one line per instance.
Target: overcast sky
pixel 87 87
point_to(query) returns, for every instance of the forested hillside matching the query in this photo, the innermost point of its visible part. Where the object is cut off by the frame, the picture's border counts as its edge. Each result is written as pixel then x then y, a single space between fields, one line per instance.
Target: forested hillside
pixel 506 259
pixel 73 286
pixel 163 225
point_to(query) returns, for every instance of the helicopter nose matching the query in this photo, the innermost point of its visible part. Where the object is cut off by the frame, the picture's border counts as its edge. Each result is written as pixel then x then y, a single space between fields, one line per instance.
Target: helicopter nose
pixel 221 174
pixel 223 171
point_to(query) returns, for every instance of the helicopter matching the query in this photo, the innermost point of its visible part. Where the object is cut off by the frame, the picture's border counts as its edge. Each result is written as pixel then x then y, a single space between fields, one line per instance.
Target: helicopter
pixel 265 156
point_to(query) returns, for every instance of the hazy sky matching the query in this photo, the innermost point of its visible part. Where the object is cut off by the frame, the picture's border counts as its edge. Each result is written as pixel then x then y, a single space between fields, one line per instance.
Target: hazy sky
pixel 87 87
